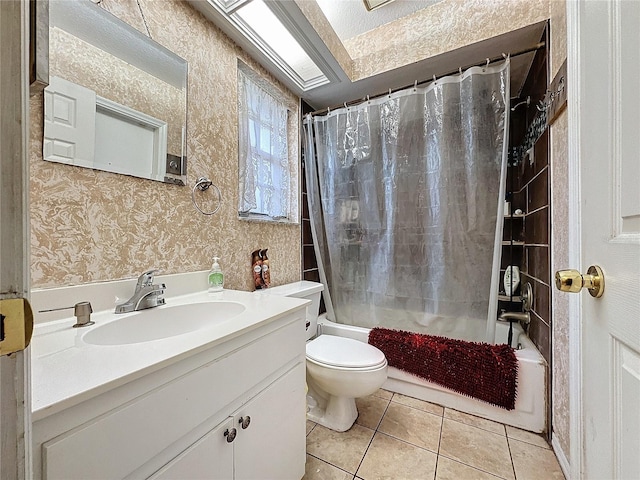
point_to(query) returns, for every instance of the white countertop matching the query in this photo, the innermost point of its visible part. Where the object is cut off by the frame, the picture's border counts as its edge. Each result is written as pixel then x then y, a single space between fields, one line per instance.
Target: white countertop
pixel 66 370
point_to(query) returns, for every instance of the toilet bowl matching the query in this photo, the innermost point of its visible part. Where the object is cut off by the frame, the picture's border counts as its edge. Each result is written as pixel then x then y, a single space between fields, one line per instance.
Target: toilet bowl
pixel 339 369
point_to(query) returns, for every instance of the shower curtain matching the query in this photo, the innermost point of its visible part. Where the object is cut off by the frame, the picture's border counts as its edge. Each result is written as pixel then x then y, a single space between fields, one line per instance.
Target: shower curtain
pixel 406 198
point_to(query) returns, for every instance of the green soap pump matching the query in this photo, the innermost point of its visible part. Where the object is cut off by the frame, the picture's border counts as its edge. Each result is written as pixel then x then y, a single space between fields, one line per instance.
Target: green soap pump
pixel 216 277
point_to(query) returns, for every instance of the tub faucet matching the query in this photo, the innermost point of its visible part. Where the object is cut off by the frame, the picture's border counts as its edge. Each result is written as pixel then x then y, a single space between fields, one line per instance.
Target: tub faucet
pixel 147 295
pixel 523 317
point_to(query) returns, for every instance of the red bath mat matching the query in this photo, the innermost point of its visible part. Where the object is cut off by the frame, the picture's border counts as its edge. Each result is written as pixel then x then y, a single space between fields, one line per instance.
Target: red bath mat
pixel 480 370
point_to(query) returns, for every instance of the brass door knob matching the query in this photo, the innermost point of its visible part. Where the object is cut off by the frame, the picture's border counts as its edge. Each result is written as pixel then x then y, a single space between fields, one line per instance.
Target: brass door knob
pixel 573 281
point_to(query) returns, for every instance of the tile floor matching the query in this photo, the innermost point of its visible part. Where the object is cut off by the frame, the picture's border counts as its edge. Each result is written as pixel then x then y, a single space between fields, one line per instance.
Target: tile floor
pixel 400 438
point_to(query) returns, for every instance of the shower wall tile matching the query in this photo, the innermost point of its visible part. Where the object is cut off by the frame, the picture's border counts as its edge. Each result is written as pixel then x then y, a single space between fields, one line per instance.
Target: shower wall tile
pixel 535 85
pixel 513 228
pixel 541 299
pixel 539 332
pixel 312 276
pixel 533 165
pixel 309 258
pixel 531 186
pixel 519 197
pixel 309 261
pixel 307 237
pixel 537 227
pixel 511 256
pixel 538 191
pixel 92 226
pixel 537 262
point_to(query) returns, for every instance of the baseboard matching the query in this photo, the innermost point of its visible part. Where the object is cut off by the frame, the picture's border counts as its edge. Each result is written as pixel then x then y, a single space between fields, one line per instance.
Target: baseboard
pixel 562 458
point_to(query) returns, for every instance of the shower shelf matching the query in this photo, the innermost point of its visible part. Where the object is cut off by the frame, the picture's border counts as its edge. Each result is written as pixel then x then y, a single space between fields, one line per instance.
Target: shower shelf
pixel 507 243
pixel 519 215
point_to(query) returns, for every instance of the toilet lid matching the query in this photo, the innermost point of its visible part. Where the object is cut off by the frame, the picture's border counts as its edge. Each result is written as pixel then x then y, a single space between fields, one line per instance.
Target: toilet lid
pixel 343 352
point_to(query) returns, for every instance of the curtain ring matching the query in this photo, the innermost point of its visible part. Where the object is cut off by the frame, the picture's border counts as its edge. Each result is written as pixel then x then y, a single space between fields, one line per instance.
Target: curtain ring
pixel 434 78
pixel 328 111
pixel 345 105
pixel 415 85
pixel 460 70
pixel 504 55
pixel 368 101
pixel 487 64
pixel 389 92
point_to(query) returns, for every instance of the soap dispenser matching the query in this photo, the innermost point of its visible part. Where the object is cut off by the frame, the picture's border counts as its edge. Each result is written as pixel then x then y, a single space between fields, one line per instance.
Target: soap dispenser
pixel 216 277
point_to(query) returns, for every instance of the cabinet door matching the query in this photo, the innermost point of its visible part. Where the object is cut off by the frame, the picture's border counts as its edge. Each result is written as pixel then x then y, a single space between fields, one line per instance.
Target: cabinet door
pixel 273 444
pixel 210 458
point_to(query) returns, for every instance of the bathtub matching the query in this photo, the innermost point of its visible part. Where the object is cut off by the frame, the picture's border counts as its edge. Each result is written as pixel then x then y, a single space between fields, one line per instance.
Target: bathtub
pixel 530 409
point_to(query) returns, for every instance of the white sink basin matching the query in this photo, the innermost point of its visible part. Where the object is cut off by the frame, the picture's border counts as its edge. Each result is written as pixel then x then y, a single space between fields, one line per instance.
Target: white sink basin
pixel 162 322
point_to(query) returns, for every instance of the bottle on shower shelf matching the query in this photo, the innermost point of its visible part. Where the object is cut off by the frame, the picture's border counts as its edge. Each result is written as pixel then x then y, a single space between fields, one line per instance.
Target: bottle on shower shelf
pixel 511 280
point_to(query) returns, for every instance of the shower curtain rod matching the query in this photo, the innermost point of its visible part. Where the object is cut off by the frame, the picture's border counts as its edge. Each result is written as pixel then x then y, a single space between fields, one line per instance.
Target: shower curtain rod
pixel 533 48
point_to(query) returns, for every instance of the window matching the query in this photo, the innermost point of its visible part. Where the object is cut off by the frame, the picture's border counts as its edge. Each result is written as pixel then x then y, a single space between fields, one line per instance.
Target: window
pixel 261 26
pixel 265 190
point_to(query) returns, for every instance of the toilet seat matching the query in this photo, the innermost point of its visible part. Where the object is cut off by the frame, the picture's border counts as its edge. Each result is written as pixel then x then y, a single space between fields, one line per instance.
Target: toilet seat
pixel 342 352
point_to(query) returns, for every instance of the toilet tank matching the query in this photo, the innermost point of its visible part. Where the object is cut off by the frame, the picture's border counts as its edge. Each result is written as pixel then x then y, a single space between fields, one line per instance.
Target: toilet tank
pixel 303 289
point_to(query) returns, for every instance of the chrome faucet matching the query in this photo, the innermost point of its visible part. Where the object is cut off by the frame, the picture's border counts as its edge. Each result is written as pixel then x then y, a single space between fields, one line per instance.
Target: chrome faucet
pixel 523 317
pixel 147 295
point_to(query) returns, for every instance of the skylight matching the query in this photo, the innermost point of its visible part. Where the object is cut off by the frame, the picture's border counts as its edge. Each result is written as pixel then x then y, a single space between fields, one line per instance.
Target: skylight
pixel 255 20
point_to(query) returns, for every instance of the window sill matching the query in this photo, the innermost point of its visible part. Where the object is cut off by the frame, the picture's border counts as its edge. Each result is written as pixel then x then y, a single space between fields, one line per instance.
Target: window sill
pixel 253 217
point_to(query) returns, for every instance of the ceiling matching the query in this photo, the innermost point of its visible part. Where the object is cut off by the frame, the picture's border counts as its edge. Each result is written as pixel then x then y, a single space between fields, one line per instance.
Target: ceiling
pixel 335 93
pixel 350 18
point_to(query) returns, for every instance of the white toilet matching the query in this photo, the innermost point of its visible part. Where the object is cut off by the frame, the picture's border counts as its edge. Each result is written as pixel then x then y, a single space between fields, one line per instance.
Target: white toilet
pixel 339 369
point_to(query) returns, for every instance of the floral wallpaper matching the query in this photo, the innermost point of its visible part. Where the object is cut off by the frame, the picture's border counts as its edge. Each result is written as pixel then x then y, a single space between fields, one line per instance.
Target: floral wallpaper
pixel 92 226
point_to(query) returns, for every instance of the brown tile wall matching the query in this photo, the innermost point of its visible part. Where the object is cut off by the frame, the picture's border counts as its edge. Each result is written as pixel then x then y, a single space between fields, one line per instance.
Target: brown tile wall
pixel 530 184
pixel 310 269
pixel 531 195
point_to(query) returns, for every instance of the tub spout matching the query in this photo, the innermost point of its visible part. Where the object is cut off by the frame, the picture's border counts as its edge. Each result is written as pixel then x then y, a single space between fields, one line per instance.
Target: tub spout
pixel 523 317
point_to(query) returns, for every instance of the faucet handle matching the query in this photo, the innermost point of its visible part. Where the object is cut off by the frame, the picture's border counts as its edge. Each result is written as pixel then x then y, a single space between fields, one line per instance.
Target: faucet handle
pixel 146 278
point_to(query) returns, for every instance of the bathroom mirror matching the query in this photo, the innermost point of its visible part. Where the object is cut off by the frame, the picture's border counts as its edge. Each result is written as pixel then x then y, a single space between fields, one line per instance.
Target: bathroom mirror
pixel 116 100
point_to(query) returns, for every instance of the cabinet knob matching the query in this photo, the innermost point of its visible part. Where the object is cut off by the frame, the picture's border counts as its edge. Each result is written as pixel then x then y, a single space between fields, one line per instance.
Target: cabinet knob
pixel 244 421
pixel 230 434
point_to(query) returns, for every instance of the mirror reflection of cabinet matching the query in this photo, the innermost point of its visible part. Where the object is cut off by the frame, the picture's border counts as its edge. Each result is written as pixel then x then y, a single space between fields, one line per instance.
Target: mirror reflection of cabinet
pixel 140 89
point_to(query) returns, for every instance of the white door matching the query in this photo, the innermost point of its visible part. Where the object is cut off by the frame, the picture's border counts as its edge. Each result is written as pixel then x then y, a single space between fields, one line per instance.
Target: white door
pixel 604 109
pixel 15 400
pixel 69 123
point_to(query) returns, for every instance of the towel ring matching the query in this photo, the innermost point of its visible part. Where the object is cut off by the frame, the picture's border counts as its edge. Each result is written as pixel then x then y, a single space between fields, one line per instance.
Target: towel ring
pixel 203 184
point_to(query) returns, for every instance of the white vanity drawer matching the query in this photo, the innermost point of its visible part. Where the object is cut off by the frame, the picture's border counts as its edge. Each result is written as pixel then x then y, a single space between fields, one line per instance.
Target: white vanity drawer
pixel 118 442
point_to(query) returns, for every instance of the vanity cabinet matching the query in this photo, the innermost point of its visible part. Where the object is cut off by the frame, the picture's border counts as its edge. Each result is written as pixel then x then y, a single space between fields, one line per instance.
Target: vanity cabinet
pixel 267 447
pixel 170 422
